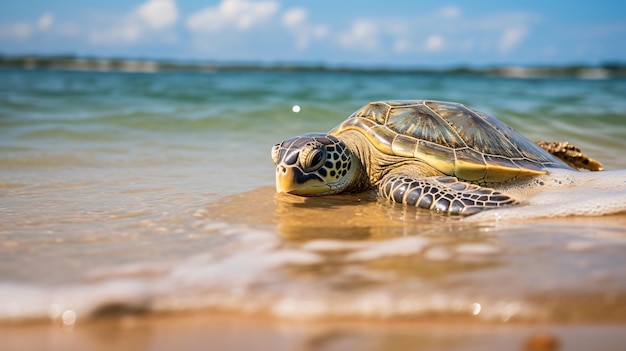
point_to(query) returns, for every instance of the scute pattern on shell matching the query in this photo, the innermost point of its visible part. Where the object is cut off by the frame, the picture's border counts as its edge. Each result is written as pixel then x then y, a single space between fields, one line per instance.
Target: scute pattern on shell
pixel 420 122
pixel 454 138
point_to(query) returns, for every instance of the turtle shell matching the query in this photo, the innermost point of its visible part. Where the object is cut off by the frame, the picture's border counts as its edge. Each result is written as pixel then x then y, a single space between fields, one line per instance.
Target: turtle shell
pixel 451 137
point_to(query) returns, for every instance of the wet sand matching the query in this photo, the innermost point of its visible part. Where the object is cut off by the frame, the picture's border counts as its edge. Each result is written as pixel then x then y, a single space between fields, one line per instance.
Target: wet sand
pixel 204 331
pixel 582 310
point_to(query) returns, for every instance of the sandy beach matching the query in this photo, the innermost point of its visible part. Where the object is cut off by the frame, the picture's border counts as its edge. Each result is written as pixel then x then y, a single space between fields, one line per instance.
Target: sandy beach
pixel 203 331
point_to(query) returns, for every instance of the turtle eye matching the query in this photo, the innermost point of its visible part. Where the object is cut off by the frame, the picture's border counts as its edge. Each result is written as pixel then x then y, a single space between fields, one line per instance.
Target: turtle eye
pixel 312 159
pixel 275 150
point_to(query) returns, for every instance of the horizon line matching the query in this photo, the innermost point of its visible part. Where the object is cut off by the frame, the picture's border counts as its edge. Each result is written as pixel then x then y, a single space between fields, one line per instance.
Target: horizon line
pixel 607 69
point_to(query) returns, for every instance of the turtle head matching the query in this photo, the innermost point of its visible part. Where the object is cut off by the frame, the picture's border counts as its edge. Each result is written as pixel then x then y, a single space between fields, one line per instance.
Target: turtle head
pixel 313 164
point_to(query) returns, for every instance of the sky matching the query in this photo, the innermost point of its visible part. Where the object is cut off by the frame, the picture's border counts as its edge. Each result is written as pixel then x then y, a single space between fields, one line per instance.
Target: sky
pixel 333 32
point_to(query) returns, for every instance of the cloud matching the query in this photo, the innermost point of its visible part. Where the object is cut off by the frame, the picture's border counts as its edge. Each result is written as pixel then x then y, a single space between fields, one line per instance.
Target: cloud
pixel 434 43
pixel 362 36
pixel 142 23
pixel 26 29
pixel 16 31
pixel 45 21
pixel 232 14
pixel 296 21
pixel 444 31
pixel 294 17
pixel 511 38
pixel 158 14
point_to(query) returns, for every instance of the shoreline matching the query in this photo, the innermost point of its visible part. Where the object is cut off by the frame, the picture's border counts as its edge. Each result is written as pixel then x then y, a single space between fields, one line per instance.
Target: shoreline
pixel 75 63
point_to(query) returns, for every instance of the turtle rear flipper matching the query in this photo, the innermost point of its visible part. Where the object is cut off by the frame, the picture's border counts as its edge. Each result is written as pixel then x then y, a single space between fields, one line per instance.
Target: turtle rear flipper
pixel 571 155
pixel 442 193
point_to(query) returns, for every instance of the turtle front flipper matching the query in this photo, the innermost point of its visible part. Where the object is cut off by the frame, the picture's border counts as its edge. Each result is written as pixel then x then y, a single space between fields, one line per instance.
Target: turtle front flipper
pixel 441 193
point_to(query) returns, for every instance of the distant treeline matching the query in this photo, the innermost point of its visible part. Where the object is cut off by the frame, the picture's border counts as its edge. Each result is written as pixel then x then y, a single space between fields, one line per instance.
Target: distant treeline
pixel 602 71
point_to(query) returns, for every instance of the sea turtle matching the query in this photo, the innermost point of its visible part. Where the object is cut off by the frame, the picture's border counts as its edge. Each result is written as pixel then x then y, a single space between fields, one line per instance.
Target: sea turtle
pixel 443 156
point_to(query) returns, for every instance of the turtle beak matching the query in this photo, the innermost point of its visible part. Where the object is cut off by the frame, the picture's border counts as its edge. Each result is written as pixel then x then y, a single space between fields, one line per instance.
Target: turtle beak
pixel 284 179
pixel 291 180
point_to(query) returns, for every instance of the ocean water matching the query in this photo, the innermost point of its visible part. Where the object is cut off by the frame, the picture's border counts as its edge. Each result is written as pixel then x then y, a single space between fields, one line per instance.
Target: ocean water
pixel 153 192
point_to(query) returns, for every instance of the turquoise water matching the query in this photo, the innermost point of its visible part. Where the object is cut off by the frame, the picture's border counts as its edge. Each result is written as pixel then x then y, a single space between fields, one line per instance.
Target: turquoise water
pixel 117 189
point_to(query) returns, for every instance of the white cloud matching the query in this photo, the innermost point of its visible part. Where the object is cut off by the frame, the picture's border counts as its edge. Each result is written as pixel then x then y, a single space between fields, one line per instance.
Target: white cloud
pixel 25 30
pixel 511 38
pixel 446 30
pixel 362 36
pixel 296 21
pixel 45 21
pixel 294 17
pixel 158 14
pixel 449 12
pixel 238 14
pixel 141 23
pixel 17 30
pixel 434 42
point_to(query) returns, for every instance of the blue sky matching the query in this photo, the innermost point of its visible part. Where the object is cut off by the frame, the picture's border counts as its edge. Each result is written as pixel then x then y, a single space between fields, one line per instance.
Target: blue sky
pixel 352 32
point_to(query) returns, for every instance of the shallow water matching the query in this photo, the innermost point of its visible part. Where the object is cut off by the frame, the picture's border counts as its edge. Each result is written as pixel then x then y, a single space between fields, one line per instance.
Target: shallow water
pixel 128 192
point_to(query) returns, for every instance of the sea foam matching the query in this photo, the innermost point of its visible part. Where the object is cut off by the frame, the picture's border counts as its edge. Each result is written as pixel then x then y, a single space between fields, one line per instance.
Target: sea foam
pixel 565 193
